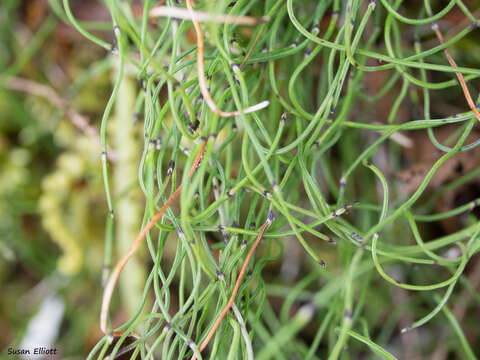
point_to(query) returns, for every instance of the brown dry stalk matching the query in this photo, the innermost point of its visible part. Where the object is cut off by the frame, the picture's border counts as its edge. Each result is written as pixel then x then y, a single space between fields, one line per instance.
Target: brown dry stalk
pixel 108 292
pixel 237 285
pixel 255 41
pixel 462 81
pixel 81 122
pixel 202 82
pixel 203 16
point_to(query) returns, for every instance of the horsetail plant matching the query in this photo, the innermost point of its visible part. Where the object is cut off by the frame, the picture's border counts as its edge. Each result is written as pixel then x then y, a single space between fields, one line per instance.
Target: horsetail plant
pixel 334 85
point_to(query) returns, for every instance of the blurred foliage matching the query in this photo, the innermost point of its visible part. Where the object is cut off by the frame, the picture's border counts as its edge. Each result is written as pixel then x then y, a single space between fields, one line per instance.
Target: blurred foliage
pixel 51 193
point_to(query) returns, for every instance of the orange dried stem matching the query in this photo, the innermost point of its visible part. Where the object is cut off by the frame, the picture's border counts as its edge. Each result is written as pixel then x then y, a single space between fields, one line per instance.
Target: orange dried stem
pixel 110 287
pixel 202 82
pixel 462 81
pixel 202 16
pixel 255 41
pixel 227 307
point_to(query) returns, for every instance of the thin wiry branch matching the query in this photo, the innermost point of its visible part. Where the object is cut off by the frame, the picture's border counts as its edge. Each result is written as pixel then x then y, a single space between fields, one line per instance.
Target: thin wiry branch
pixel 462 81
pixel 203 16
pixel 202 82
pixel 108 292
pixel 227 307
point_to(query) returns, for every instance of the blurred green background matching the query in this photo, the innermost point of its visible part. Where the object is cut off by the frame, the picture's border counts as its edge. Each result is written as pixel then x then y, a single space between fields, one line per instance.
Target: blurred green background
pixel 51 194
